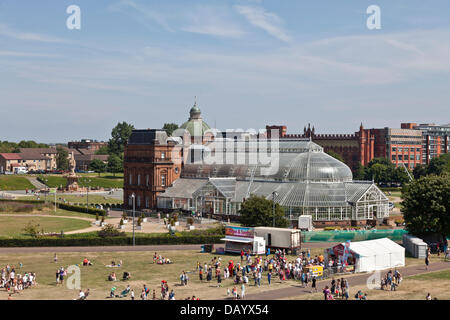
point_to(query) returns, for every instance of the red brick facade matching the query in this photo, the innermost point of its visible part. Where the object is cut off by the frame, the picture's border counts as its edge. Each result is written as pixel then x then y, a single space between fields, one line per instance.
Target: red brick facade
pixel 357 148
pixel 149 168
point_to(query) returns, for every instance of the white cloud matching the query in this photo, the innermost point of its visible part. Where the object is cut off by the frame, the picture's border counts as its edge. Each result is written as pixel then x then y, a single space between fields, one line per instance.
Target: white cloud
pixel 267 21
pixel 28 36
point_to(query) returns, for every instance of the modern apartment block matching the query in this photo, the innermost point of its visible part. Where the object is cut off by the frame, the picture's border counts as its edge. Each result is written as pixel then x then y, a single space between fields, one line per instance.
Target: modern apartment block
pixel 435 139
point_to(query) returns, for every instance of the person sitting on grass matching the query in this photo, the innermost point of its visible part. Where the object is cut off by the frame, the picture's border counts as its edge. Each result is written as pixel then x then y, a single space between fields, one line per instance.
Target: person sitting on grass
pixel 126 276
pixel 112 277
pixel 112 292
pixel 87 262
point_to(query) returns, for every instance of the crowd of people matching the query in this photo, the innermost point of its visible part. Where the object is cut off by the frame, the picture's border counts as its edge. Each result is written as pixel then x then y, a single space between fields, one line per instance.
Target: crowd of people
pixel 158 259
pixel 14 282
pixel 391 280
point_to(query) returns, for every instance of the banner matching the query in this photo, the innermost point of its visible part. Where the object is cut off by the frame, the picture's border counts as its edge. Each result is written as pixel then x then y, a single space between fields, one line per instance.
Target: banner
pixel 239 232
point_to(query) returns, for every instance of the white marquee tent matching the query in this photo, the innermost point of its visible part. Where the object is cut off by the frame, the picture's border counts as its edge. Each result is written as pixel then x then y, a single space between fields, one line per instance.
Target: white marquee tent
pixel 376 254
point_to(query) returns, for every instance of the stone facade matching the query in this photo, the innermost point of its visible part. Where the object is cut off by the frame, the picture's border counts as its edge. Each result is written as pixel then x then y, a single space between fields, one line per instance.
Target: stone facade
pixel 152 162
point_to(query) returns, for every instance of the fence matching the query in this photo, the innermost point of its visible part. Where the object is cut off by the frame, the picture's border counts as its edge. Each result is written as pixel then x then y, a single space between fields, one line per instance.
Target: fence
pixel 356 235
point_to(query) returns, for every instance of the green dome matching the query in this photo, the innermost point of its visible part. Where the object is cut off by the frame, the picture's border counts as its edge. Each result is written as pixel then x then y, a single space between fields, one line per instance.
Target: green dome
pixel 195 125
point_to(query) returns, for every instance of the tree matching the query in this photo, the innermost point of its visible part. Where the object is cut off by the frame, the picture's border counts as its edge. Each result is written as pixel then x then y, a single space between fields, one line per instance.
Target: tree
pixel 170 128
pixel 258 211
pixel 119 136
pixel 426 205
pixel 335 155
pixel 103 150
pixel 439 165
pixel 62 159
pixel 115 164
pixel 98 166
pixel 419 171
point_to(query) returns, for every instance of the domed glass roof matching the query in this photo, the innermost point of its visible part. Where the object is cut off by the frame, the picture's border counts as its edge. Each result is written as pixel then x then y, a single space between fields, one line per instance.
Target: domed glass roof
pixel 302 161
pixel 195 125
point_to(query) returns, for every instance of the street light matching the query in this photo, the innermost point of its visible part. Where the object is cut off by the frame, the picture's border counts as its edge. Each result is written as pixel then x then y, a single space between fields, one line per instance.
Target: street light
pixel 87 194
pixel 274 194
pixel 133 197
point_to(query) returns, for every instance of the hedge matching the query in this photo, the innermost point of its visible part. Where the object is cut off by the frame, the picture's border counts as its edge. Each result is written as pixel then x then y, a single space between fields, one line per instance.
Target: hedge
pixel 66 241
pixel 24 201
pixel 70 207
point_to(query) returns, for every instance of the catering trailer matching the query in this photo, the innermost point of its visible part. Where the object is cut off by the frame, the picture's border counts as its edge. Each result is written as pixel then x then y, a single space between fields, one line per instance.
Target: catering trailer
pixel 241 238
pixel 280 238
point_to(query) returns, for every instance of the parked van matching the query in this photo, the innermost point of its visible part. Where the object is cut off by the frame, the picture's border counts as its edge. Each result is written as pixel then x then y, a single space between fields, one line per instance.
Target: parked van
pixel 20 170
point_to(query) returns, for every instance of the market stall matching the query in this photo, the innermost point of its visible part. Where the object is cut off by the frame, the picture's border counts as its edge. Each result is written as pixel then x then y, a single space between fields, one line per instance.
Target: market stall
pixel 241 238
pixel 366 256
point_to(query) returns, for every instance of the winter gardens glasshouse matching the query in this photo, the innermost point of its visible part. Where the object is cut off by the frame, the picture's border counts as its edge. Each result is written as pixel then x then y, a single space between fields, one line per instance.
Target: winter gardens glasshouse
pixel 297 174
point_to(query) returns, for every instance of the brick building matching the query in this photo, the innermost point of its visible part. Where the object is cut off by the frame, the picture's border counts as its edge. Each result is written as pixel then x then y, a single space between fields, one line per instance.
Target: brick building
pixel 88 144
pixel 435 139
pixel 399 145
pixel 152 161
pixel 357 148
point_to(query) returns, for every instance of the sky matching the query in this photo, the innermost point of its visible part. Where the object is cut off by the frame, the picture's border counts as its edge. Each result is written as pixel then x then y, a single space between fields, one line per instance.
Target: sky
pixel 249 63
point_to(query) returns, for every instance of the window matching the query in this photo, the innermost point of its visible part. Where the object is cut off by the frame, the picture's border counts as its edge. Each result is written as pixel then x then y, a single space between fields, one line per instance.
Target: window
pixel 147 202
pixel 394 149
pixel 394 157
pixel 400 149
pixel 418 157
pixel 176 170
pixel 411 157
pixel 130 181
pixel 163 180
pixel 139 180
pixel 138 201
pixel 400 157
pixel 163 155
pixel 146 180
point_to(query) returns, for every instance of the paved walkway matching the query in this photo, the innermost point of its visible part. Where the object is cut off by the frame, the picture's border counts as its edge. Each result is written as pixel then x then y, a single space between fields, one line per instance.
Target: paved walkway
pixel 355 280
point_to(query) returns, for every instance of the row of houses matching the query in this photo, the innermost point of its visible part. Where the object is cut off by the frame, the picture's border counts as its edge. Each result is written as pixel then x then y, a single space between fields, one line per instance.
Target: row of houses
pixel 44 159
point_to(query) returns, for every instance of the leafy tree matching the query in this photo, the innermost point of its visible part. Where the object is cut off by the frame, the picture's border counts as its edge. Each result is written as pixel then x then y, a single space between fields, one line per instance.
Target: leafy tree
pixel 258 211
pixel 119 136
pixel 360 172
pixel 62 159
pixel 115 164
pixel 335 155
pixel 98 166
pixel 103 150
pixel 419 171
pixel 439 164
pixel 170 128
pixel 426 205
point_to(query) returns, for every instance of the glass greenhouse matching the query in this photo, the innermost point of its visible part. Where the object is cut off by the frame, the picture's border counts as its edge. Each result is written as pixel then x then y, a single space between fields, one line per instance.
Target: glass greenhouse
pixel 300 176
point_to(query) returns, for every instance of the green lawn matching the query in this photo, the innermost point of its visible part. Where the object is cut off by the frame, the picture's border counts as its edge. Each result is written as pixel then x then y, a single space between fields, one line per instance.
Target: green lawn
pixel 439 275
pixel 103 182
pixel 11 183
pixel 93 199
pixel 12 227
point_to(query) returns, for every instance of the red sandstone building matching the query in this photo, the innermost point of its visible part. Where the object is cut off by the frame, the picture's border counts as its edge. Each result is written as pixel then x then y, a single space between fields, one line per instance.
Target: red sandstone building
pixel 357 148
pixel 152 162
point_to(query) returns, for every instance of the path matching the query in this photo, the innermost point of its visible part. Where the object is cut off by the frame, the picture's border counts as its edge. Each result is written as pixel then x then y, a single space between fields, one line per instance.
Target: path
pixel 38 185
pixel 355 280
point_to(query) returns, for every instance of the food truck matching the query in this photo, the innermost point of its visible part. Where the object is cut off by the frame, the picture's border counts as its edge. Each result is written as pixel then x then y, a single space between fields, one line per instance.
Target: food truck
pixel 280 238
pixel 242 238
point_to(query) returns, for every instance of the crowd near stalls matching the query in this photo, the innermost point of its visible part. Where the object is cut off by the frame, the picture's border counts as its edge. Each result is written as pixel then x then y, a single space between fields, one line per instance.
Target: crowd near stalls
pixel 14 280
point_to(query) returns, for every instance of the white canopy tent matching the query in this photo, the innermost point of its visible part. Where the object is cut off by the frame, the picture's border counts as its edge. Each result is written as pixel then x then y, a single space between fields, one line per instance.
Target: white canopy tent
pixel 377 254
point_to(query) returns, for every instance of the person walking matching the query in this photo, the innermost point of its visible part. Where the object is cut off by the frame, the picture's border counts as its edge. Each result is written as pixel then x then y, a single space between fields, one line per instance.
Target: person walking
pixel 427 259
pixel 313 284
pixel 242 291
pixel 269 277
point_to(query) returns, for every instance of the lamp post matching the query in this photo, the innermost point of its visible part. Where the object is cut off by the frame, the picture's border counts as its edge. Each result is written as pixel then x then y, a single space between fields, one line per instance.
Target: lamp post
pixel 274 194
pixel 87 194
pixel 133 196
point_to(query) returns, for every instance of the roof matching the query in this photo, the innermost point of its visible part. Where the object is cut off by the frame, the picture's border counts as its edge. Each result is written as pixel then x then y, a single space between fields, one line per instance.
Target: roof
pixel 90 157
pixel 10 156
pixel 33 156
pixel 148 136
pixel 290 194
pixel 39 150
pixel 374 247
pixel 288 160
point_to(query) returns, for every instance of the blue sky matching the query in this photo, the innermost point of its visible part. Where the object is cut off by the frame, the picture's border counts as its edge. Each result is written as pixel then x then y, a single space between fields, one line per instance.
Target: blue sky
pixel 249 62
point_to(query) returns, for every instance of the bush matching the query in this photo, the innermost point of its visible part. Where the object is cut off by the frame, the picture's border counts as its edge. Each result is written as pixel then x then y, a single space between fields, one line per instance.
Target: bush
pixel 92 211
pixel 109 231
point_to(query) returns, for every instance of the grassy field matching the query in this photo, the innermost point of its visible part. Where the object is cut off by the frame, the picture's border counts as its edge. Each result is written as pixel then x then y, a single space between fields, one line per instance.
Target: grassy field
pixel 93 199
pixel 12 227
pixel 55 181
pixel 51 212
pixel 143 271
pixel 11 183
pixel 106 175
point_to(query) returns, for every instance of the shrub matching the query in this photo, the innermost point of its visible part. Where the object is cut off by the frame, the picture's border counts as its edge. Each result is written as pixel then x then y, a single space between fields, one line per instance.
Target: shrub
pixel 190 220
pixel 81 209
pixel 32 230
pixel 109 231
